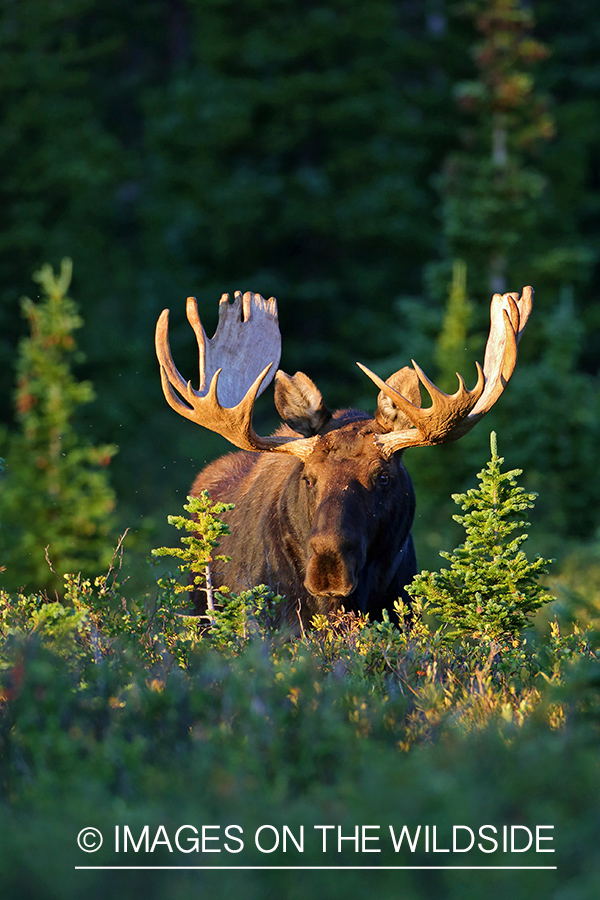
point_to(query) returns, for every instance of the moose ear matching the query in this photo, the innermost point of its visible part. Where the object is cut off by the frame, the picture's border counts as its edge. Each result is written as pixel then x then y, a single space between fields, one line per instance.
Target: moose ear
pixel 300 404
pixel 406 382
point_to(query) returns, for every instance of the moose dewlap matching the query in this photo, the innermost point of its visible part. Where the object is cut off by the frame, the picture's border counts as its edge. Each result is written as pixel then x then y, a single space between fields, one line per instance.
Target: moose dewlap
pixel 324 507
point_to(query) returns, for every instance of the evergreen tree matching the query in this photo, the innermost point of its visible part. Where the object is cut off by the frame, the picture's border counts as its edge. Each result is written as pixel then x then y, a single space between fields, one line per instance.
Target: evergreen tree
pixel 204 531
pixel 60 167
pixel 491 589
pixel 55 492
pixel 492 195
pixel 454 351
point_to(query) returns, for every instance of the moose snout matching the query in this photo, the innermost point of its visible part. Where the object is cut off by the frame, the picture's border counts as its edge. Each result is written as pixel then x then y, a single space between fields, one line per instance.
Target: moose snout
pixel 330 569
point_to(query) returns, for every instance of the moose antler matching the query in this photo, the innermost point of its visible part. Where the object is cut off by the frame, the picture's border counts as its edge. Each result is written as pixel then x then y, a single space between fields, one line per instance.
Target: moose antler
pixel 451 416
pixel 236 365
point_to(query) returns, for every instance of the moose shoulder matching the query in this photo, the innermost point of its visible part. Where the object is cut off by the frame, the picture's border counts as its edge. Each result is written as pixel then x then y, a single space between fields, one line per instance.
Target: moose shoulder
pixel 324 507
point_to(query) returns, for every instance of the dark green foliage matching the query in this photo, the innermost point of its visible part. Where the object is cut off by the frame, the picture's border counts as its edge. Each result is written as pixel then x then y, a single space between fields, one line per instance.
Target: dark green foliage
pixel 238 619
pixel 59 163
pixel 94 731
pixel 491 589
pixel 55 493
pixel 554 410
pixel 121 713
pixel 292 126
pixel 491 192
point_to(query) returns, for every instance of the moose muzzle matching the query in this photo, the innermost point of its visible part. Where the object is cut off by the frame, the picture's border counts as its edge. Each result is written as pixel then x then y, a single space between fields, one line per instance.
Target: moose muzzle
pixel 331 570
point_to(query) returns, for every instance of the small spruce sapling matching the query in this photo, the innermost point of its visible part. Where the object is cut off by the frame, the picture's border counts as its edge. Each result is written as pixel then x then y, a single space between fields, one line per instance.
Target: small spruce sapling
pixel 491 589
pixel 205 531
pixel 234 618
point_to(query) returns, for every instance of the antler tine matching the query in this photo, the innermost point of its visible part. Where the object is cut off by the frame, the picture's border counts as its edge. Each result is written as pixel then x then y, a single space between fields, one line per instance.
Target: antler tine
pixel 509 314
pixel 451 416
pixel 191 310
pixel 169 372
pixel 433 424
pixel 236 365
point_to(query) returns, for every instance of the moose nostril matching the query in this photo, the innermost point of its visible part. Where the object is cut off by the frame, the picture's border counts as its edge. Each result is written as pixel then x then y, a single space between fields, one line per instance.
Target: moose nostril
pixel 323 545
pixel 330 571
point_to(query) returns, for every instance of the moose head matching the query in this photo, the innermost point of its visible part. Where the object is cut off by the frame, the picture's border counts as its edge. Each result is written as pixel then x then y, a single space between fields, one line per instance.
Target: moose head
pixel 324 507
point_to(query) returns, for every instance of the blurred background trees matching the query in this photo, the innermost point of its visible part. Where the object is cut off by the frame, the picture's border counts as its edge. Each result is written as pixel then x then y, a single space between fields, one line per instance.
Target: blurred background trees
pixel 56 504
pixel 380 168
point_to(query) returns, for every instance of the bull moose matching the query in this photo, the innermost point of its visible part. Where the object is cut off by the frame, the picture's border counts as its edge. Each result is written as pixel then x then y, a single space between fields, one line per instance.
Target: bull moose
pixel 324 506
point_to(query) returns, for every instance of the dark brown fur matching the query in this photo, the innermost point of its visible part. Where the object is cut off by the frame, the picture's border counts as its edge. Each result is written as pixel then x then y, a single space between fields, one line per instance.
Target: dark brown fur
pixel 333 531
